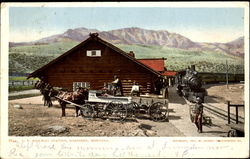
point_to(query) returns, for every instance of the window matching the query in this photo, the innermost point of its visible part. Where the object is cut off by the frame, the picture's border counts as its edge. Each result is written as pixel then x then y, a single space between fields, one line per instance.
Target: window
pixel 94 53
pixel 80 84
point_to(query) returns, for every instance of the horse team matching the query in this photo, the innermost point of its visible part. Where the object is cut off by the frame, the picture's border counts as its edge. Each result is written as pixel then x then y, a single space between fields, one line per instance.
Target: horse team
pixel 78 97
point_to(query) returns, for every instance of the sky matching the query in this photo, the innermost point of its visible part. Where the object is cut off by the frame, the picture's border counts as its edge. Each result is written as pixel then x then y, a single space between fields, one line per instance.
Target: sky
pixel 197 24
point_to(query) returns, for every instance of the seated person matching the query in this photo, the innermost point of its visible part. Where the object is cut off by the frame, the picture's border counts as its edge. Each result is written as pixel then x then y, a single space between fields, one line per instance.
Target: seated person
pixel 135 89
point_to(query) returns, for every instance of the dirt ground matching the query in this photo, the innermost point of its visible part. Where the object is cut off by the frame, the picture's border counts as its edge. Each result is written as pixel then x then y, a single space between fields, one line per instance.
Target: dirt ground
pixel 220 93
pixel 223 93
pixel 34 119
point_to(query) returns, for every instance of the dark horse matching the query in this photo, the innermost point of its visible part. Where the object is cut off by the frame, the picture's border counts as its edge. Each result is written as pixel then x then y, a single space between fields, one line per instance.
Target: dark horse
pixel 78 97
pixel 45 90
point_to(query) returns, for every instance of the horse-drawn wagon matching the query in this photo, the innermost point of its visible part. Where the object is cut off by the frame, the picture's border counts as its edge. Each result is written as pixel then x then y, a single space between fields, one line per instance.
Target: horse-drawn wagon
pixel 102 105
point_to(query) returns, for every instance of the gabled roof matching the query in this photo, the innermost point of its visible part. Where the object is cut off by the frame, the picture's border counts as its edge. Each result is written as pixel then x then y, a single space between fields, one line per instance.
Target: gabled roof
pixel 157 64
pixel 95 37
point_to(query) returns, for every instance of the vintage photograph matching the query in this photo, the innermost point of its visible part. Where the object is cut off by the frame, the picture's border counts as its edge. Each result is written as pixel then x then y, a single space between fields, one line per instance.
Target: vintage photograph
pixel 126 72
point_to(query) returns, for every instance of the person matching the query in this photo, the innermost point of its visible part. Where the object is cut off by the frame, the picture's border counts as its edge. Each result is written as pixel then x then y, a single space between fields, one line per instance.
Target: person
pixel 198 114
pixel 135 89
pixel 118 86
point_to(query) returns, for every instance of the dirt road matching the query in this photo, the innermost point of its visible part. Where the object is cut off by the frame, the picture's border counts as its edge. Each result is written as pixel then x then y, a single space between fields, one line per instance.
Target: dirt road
pixel 32 91
pixel 37 120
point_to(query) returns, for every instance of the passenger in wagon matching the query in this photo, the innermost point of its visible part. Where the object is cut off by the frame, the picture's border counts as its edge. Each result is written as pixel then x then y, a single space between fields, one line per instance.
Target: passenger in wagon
pixel 135 90
pixel 118 86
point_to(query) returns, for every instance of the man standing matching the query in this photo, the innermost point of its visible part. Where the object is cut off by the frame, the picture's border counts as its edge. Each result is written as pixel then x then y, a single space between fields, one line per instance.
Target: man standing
pixel 118 86
pixel 198 114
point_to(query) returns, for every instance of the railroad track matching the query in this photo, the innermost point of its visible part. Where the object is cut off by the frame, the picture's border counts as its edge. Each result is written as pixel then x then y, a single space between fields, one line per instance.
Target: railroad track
pixel 223 114
pixel 220 113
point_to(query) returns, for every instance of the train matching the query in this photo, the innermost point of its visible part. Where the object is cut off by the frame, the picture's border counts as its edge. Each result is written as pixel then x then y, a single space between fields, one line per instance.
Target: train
pixel 189 85
pixel 208 77
pixel 189 82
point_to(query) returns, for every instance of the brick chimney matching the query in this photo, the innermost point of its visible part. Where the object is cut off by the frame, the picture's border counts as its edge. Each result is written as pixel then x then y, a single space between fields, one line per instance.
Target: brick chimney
pixel 131 53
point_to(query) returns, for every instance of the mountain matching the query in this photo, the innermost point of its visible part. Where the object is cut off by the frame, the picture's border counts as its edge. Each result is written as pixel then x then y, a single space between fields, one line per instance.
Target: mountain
pixel 135 35
pixel 78 34
pixel 151 37
pixel 235 47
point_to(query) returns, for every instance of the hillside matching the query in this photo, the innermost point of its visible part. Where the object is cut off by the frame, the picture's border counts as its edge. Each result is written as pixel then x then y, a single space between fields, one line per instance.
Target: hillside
pixel 140 36
pixel 30 58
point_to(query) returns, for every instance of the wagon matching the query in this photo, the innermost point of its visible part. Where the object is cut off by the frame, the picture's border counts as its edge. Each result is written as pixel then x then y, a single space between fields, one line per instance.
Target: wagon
pixel 101 105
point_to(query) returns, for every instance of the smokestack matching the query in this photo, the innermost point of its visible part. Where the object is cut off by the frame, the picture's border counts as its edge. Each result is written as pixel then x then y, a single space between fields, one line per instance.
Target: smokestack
pixel 193 67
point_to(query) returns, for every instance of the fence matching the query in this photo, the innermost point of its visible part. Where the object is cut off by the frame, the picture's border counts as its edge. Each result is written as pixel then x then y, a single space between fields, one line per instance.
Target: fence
pixel 22 83
pixel 236 111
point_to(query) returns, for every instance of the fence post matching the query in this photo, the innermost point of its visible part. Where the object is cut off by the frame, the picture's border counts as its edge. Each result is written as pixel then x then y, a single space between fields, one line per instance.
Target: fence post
pixel 228 112
pixel 237 120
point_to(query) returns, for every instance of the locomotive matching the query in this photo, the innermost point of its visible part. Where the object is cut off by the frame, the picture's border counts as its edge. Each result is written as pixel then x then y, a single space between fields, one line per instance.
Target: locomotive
pixel 189 85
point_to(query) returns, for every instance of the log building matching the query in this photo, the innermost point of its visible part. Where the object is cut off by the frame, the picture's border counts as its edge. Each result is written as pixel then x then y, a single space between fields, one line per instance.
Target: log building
pixel 95 62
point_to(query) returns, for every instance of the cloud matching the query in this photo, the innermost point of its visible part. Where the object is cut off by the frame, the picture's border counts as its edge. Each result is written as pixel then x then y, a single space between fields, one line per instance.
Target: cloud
pixel 30 35
pixel 218 35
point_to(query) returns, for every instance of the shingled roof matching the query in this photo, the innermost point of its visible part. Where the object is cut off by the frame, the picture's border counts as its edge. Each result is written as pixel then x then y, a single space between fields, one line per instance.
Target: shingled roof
pixel 156 63
pixel 93 36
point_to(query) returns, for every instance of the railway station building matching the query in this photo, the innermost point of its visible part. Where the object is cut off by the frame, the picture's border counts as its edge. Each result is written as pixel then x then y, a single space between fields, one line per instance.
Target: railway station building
pixel 94 62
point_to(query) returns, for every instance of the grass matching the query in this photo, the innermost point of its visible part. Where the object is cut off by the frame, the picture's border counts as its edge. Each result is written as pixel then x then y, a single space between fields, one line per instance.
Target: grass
pixel 20 88
pixel 30 58
pixel 54 49
pixel 21 78
pixel 178 59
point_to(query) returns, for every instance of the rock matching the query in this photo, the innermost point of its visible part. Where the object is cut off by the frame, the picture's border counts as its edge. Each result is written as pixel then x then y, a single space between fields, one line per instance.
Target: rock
pixel 58 129
pixel 150 133
pixel 18 106
pixel 80 125
pixel 139 133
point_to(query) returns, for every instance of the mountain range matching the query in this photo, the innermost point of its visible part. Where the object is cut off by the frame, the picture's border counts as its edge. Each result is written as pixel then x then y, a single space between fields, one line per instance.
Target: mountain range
pixel 135 35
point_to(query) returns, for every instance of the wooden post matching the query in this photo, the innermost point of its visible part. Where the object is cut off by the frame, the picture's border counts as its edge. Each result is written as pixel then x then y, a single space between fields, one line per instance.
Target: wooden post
pixel 228 112
pixel 237 120
pixel 227 73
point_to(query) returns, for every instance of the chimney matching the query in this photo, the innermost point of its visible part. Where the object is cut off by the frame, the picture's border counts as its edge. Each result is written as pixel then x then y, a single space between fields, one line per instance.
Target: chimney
pixel 131 53
pixel 93 35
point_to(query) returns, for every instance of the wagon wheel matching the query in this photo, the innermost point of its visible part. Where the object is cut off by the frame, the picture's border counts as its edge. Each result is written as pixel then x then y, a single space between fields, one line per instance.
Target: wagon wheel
pixel 116 111
pixel 158 111
pixel 103 110
pixel 88 111
pixel 134 109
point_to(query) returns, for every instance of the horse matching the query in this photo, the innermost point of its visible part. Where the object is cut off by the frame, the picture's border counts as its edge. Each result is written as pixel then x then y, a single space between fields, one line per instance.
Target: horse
pixel 45 89
pixel 78 97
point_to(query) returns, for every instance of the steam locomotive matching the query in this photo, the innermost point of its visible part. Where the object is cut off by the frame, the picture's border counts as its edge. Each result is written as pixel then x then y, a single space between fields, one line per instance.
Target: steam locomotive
pixel 189 85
